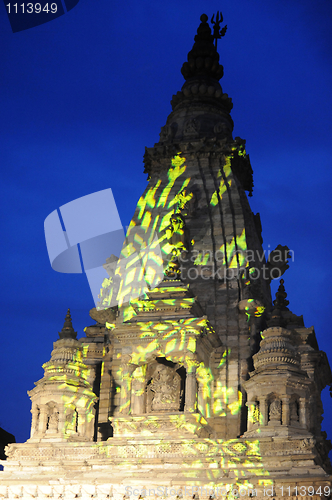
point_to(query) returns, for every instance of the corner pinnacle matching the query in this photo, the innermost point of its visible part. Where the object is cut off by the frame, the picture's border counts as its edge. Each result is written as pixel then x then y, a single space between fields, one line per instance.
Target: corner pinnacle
pixel 280 301
pixel 67 331
pixel 280 304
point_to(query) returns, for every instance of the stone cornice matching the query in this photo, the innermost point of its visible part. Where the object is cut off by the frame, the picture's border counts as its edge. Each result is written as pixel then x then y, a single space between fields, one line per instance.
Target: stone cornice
pixel 157 159
pixel 147 448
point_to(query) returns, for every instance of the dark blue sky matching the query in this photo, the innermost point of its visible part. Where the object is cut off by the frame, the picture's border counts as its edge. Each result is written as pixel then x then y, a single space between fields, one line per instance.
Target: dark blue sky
pixel 83 95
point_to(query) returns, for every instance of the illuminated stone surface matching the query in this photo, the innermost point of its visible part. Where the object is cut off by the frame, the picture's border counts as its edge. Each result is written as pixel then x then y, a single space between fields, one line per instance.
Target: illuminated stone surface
pixel 198 384
pixel 63 400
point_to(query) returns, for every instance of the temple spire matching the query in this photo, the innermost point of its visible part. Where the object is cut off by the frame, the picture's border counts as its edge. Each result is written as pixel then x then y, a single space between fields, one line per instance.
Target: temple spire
pixel 280 301
pixel 280 304
pixel 203 59
pixel 67 331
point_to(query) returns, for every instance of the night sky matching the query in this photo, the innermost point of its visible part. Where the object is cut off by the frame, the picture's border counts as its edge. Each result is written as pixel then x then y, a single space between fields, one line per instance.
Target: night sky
pixel 82 96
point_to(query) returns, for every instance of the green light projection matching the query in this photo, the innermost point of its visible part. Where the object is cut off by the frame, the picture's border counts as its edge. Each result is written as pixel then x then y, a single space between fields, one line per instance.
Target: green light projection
pixel 157 234
pixel 216 460
pixel 69 411
pixel 234 250
pixel 222 187
pixel 139 261
pixel 254 308
pixel 170 339
pixel 176 341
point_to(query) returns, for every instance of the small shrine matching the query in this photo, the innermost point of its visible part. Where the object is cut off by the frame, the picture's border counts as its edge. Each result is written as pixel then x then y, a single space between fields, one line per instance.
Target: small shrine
pixel 63 400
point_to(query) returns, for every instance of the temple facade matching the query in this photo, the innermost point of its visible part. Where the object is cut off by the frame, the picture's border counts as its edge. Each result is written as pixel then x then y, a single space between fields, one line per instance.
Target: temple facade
pixel 193 382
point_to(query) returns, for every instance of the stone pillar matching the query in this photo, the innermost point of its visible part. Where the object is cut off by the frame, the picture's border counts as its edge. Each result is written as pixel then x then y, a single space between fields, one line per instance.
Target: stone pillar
pixel 303 412
pixel 34 421
pixel 255 415
pixel 311 417
pixel 200 400
pixel 263 410
pixel 137 397
pixel 127 370
pixel 90 423
pixel 105 394
pixel 125 393
pixel 191 390
pixel 191 386
pixel 81 424
pixel 91 372
pixel 250 405
pixel 285 420
pixel 43 416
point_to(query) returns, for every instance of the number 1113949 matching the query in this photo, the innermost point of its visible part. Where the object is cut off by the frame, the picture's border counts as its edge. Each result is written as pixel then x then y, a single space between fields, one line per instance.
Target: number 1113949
pixel 31 8
pixel 305 491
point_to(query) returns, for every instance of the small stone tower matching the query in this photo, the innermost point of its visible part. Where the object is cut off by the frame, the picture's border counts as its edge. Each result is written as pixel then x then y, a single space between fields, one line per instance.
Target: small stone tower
pixel 63 401
pixel 284 389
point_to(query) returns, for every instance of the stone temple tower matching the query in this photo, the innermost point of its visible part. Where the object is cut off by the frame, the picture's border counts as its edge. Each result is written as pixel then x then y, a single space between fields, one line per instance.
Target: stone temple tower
pixel 191 383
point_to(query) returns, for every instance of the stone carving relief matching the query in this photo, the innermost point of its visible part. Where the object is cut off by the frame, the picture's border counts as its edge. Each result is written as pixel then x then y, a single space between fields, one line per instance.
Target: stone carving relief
pixel 177 235
pixel 187 201
pixel 275 411
pixel 35 420
pixel 163 390
pixel 222 128
pixel 283 448
pixel 191 127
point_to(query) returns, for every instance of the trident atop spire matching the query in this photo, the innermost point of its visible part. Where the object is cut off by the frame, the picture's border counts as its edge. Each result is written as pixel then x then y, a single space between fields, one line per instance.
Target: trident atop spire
pixel 217 32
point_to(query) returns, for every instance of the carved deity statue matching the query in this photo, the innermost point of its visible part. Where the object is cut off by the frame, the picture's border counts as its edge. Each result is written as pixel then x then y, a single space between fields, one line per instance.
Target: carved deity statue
pixel 53 421
pixel 275 410
pixel 164 390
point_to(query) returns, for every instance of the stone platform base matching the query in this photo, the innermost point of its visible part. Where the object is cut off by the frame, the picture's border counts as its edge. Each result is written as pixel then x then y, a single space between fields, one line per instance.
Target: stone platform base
pixel 153 492
pixel 122 468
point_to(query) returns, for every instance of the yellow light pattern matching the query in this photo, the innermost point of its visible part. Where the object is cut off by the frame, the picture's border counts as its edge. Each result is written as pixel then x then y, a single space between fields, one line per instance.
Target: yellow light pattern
pixel 176 341
pixel 235 251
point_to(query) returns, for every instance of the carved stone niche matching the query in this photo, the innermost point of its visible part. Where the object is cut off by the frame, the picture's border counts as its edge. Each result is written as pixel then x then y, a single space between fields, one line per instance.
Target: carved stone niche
pixel 52 423
pixel 192 127
pixel 222 128
pixel 164 387
pixel 294 411
pixel 274 410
